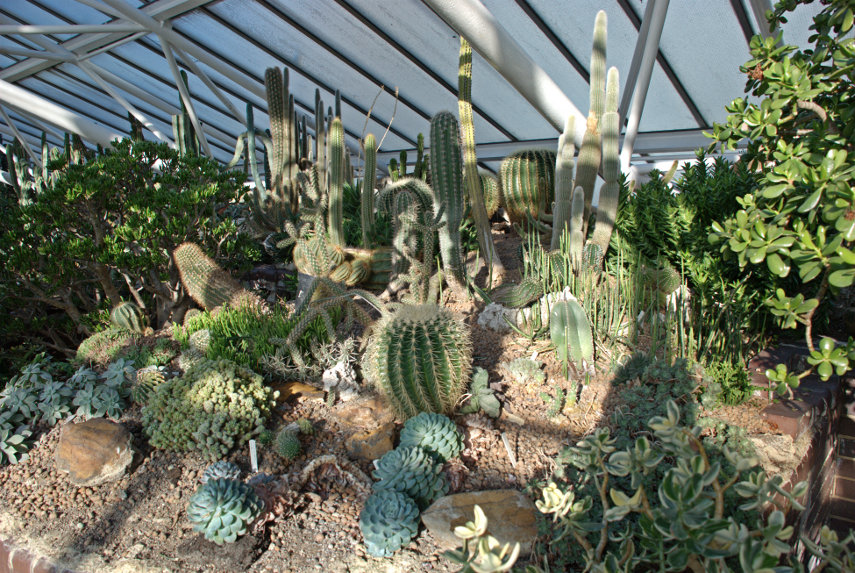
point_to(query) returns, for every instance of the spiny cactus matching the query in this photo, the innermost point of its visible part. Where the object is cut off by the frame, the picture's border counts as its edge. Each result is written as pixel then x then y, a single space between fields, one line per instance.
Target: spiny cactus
pixel 220 470
pixel 129 316
pixel 367 203
pixel 288 444
pixel 447 184
pixel 204 280
pixel 570 332
pixel 389 521
pixel 526 292
pixel 411 470
pixel 610 191
pixel 336 183
pixel 223 509
pixel 146 381
pixel 527 183
pixel 491 193
pixel 561 210
pixel 419 358
pixel 435 433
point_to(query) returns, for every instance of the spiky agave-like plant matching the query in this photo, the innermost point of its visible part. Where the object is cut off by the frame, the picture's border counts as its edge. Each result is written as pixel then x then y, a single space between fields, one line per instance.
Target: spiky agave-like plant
pixel 419 358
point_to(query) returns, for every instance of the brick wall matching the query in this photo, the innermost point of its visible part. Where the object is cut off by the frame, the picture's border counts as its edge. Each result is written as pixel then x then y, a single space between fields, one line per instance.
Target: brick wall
pixel 842 515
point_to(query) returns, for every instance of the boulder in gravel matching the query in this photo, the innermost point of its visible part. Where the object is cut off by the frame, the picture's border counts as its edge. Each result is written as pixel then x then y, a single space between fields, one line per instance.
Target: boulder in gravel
pixel 371 444
pixel 94 452
pixel 511 517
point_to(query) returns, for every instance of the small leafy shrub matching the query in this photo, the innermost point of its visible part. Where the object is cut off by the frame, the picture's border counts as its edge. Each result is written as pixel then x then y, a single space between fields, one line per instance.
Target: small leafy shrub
pixel 288 444
pixel 213 407
pixel 152 352
pixel 413 471
pixel 434 433
pixel 14 438
pixel 389 521
pixel 481 552
pixel 223 509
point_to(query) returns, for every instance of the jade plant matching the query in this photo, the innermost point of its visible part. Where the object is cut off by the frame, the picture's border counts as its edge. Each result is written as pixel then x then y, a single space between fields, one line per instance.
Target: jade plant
pixel 801 218
pixel 223 509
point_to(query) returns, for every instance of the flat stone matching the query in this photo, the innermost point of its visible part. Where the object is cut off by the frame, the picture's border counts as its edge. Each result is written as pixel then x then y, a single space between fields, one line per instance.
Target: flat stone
pixel 364 413
pixel 94 452
pixel 297 391
pixel 511 517
pixel 371 444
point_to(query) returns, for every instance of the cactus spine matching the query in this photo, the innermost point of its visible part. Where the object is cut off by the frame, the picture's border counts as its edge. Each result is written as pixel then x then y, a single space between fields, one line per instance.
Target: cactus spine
pixel 419 358
pixel 610 191
pixel 470 164
pixel 447 183
pixel 563 183
pixel 336 183
pixel 370 145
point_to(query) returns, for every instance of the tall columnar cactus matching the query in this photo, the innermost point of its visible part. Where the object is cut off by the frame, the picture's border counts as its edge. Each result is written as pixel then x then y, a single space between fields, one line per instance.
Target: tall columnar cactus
pixel 336 183
pixel 577 222
pixel 563 183
pixel 320 140
pixel 129 316
pixel 183 131
pixel 589 153
pixel 204 280
pixel 570 332
pixel 527 183
pixel 470 165
pixel 446 173
pixel 610 191
pixel 370 145
pixel 419 357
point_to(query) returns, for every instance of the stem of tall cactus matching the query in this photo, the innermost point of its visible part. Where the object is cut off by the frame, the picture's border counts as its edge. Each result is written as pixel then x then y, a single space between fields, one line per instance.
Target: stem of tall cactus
pixel 563 183
pixel 470 162
pixel 610 191
pixel 447 182
pixel 336 183
pixel 370 145
pixel 589 153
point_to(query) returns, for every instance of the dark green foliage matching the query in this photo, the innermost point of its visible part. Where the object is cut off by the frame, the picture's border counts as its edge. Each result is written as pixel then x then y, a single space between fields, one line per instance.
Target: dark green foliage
pixel 434 433
pixel 381 230
pixel 389 521
pixel 213 407
pixel 413 471
pixel 223 509
pixel 245 335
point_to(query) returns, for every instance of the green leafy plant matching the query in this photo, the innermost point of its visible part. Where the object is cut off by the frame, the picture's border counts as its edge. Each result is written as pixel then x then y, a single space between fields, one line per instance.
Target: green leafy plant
pixel 388 521
pixel 413 471
pixel 434 433
pixel 13 437
pixel 481 396
pixel 802 215
pixel 481 552
pixel 223 509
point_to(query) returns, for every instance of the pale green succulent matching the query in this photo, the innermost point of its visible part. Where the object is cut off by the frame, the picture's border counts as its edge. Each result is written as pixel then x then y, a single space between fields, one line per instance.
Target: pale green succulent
pixel 389 521
pixel 413 471
pixel 220 470
pixel 436 433
pixel 223 509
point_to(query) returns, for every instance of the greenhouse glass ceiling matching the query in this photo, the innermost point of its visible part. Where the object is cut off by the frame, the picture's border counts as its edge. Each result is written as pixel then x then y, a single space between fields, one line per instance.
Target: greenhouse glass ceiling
pixel 83 65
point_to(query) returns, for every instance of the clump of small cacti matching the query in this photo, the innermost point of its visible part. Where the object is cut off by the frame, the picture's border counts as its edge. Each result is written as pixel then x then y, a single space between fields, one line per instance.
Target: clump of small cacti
pixel 305 426
pixel 103 347
pixel 129 316
pixel 223 509
pixel 220 470
pixel 435 433
pixel 389 521
pixel 413 471
pixel 419 357
pixel 215 406
pixel 288 444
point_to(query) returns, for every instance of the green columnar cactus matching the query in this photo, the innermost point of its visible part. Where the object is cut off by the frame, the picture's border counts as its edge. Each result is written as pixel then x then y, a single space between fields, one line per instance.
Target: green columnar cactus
pixel 471 178
pixel 527 183
pixel 389 521
pixel 320 141
pixel 589 153
pixel 570 332
pixel 129 316
pixel 205 282
pixel 223 509
pixel 336 183
pixel 577 222
pixel 182 128
pixel 564 165
pixel 419 357
pixel 610 191
pixel 413 471
pixel 283 158
pixel 434 433
pixel 370 145
pixel 527 291
pixel 447 183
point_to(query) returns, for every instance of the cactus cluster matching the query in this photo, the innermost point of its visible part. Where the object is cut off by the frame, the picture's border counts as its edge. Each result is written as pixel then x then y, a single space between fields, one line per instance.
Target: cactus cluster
pixel 213 407
pixel 223 509
pixel 435 433
pixel 129 316
pixel 570 332
pixel 419 358
pixel 146 381
pixel 389 521
pixel 206 283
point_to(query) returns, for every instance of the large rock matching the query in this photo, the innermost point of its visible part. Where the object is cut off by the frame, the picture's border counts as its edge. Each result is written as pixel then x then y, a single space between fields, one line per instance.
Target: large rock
pixel 364 413
pixel 511 517
pixel 371 444
pixel 94 452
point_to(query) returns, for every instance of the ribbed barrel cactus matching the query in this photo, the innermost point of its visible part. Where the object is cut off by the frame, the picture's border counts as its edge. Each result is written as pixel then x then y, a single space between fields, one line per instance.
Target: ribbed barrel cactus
pixel 129 316
pixel 433 432
pixel 389 521
pixel 223 509
pixel 413 471
pixel 419 358
pixel 527 183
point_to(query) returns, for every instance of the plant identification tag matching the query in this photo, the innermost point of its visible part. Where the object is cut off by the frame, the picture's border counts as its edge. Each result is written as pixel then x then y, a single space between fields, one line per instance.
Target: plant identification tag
pixel 253 457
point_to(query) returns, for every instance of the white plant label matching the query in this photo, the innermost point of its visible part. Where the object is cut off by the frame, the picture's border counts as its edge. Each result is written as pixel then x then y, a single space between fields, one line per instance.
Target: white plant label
pixel 253 456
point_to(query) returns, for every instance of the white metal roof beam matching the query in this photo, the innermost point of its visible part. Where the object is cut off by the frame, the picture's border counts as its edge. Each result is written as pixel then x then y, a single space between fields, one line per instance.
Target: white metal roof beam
pixel 66 120
pixel 51 57
pixel 69 29
pixel 650 48
pixel 185 96
pixel 160 9
pixel 632 76
pixel 759 8
pixel 472 20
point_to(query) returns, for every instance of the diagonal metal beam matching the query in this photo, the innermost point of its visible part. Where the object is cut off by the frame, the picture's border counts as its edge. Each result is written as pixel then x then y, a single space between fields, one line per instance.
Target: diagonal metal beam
pixel 759 9
pixel 743 19
pixel 556 41
pixel 69 29
pixel 185 95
